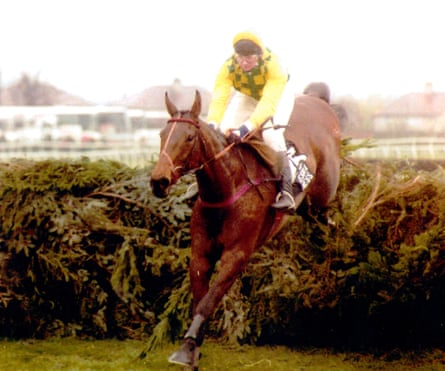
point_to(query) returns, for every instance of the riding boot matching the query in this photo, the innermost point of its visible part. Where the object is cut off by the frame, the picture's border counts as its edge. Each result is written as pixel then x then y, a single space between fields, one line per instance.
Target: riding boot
pixel 285 200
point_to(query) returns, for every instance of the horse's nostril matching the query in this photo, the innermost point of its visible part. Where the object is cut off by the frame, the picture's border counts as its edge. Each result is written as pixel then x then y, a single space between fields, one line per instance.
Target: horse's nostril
pixel 160 187
pixel 163 183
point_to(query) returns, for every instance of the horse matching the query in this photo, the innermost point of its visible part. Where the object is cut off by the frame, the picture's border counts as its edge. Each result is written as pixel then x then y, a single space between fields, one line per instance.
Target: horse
pixel 322 91
pixel 318 89
pixel 237 182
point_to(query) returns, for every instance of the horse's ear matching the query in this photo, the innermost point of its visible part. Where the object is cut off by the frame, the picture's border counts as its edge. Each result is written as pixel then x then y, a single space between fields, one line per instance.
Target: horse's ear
pixel 171 108
pixel 196 108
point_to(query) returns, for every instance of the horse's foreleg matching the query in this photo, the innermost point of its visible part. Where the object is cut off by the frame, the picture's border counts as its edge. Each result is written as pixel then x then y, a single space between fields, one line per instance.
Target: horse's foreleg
pixel 201 269
pixel 232 264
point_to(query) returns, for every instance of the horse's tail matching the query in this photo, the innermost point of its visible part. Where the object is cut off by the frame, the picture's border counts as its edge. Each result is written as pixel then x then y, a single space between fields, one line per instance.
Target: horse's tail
pixel 321 90
pixel 342 115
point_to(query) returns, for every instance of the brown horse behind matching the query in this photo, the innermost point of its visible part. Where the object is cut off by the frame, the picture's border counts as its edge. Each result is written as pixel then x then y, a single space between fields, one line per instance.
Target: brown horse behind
pixel 232 216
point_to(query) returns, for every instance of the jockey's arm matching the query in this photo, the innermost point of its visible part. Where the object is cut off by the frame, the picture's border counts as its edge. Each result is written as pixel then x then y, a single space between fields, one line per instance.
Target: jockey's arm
pixel 220 97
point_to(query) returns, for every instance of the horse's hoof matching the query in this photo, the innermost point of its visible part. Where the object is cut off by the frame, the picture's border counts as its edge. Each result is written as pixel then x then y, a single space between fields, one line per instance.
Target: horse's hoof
pixel 187 355
pixel 180 358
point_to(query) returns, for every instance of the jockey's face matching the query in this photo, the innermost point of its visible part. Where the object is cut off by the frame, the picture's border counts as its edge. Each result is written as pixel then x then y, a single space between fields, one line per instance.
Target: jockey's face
pixel 247 62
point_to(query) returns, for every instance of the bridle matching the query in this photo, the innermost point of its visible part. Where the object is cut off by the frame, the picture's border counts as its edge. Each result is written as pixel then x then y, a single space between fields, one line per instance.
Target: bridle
pixel 197 124
pixel 185 121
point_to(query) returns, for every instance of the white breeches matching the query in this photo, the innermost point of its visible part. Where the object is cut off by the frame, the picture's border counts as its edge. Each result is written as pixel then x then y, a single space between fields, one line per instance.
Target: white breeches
pixel 242 106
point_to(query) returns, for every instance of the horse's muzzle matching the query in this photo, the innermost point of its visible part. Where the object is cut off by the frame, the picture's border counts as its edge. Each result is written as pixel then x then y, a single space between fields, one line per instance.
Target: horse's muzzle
pixel 160 187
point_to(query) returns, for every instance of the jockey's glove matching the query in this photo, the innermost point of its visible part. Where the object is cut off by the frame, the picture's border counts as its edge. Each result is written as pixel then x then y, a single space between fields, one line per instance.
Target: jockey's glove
pixel 242 131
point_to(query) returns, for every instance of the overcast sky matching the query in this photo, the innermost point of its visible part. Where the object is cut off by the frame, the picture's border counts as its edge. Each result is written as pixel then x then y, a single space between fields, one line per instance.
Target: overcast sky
pixel 103 50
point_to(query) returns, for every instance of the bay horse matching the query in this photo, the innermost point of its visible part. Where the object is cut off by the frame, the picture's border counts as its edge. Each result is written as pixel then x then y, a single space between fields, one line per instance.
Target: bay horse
pixel 232 216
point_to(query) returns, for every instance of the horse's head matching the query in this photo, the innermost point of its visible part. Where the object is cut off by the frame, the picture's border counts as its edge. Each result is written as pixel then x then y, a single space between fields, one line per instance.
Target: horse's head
pixel 179 146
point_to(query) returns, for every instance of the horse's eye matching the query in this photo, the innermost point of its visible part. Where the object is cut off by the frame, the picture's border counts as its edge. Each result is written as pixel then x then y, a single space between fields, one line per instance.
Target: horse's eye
pixel 190 137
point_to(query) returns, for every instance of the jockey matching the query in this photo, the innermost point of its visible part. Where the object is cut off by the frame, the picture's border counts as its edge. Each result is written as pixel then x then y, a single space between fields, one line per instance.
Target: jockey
pixel 251 88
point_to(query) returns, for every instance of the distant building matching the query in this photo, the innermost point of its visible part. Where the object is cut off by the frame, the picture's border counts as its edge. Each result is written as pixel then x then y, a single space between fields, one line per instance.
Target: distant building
pixel 32 111
pixel 153 98
pixel 29 91
pixel 413 114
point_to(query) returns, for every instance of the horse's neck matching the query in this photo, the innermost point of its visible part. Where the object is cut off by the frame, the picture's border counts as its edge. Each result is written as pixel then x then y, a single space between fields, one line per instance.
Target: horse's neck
pixel 222 170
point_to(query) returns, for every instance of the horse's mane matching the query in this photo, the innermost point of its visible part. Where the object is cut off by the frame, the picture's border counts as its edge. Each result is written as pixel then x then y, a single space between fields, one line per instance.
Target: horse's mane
pixel 254 144
pixel 222 138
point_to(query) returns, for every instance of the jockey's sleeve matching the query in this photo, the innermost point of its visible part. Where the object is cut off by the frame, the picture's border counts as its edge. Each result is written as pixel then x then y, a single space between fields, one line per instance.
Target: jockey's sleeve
pixel 220 96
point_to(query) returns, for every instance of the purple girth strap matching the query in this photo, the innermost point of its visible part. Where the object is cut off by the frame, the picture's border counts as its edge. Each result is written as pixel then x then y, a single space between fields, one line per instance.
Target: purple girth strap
pixel 234 197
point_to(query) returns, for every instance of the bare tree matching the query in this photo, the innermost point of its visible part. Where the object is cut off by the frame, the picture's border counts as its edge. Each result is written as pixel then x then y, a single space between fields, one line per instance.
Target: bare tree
pixel 28 91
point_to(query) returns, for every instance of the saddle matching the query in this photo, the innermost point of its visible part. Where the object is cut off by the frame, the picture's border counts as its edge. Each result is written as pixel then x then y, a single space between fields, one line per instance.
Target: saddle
pixel 265 153
pixel 302 176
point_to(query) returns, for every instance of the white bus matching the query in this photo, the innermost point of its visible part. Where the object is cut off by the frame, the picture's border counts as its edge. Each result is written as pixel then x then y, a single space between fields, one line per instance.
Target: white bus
pixel 31 124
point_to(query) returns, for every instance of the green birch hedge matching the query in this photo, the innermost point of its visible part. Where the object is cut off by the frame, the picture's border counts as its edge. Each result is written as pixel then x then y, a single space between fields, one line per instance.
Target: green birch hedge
pixel 87 251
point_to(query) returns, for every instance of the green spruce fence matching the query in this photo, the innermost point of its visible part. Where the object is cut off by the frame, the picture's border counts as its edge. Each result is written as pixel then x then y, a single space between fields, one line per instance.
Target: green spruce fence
pixel 87 251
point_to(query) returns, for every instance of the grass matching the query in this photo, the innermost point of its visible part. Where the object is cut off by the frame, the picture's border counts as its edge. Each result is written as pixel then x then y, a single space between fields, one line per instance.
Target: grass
pixel 73 354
